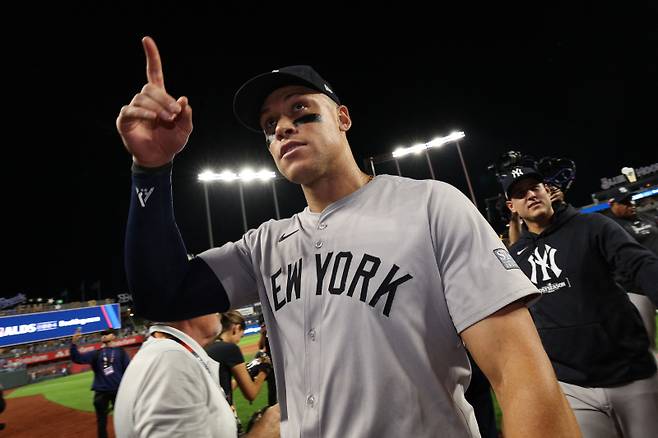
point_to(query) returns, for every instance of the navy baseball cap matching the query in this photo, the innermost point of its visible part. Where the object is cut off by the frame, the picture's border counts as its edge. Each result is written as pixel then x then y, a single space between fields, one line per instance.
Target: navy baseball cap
pixel 622 196
pixel 249 99
pixel 516 174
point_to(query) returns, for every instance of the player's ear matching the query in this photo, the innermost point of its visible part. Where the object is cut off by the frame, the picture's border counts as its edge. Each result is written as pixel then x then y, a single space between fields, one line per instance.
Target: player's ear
pixel 510 206
pixel 344 119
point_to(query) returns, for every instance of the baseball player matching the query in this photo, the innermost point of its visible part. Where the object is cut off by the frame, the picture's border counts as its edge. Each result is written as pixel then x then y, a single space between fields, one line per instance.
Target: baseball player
pixel 590 330
pixel 370 294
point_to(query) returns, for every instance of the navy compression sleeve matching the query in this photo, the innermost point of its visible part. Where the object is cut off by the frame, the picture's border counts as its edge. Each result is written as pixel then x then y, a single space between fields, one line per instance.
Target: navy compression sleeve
pixel 164 284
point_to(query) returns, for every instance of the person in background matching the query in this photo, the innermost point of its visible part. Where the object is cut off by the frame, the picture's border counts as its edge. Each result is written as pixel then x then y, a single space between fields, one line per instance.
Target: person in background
pixel 108 364
pixel 591 332
pixel 264 346
pixel 644 229
pixel 171 388
pixel 225 350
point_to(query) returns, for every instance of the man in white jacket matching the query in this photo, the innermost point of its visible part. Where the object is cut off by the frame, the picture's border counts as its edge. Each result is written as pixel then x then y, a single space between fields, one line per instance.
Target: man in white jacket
pixel 172 387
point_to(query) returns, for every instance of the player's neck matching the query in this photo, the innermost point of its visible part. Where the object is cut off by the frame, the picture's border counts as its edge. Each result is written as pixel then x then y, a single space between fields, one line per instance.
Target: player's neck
pixel 538 225
pixel 331 188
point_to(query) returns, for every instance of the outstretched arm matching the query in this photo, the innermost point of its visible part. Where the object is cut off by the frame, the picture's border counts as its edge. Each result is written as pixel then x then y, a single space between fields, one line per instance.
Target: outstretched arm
pixel 155 127
pixel 164 284
pixel 76 356
pixel 250 388
pixel 507 348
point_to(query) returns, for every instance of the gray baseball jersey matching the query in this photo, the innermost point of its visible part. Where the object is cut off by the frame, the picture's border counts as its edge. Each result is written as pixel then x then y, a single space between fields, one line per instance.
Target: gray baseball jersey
pixel 364 304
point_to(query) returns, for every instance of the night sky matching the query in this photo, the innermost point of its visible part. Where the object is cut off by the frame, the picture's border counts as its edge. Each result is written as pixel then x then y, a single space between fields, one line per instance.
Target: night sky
pixel 578 82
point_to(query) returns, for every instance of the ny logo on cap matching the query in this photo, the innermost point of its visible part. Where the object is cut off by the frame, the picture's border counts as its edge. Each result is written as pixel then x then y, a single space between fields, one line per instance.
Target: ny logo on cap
pixel 517 173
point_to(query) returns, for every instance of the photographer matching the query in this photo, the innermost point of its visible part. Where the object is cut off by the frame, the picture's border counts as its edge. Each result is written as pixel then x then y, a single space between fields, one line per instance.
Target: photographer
pixel 226 351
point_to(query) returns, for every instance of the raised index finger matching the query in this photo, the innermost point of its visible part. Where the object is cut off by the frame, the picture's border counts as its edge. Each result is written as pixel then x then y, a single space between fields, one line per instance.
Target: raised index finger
pixel 153 64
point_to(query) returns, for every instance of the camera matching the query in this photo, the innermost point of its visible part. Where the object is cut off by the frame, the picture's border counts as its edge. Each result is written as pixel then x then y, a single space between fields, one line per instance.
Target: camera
pixel 558 172
pixel 510 159
pixel 261 362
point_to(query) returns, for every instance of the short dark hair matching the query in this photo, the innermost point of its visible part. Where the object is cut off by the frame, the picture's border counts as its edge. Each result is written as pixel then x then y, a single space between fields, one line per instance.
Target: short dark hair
pixel 108 331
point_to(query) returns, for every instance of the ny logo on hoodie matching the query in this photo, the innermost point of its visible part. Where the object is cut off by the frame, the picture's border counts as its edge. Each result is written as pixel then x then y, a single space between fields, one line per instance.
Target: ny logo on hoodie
pixel 545 262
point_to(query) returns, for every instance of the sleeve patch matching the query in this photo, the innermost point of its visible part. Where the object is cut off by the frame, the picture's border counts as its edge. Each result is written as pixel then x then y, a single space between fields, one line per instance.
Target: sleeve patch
pixel 505 258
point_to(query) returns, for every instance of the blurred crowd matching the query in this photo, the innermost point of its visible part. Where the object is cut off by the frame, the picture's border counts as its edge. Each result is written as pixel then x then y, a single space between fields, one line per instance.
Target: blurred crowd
pixel 47 307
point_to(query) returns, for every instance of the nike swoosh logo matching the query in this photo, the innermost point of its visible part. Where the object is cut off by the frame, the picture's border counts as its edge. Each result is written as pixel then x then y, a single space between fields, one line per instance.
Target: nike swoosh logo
pixel 285 236
pixel 519 252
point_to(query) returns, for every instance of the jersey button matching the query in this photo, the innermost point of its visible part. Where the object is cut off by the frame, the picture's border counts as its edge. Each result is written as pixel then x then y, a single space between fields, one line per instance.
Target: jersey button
pixel 311 334
pixel 310 401
pixel 322 226
pixel 318 244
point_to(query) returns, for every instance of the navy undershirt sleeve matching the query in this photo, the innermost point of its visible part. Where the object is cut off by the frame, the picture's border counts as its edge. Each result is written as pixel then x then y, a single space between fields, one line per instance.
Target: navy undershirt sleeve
pixel 165 285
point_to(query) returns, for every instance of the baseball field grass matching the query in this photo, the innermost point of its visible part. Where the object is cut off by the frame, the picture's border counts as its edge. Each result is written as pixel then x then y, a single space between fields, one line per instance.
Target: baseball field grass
pixel 70 391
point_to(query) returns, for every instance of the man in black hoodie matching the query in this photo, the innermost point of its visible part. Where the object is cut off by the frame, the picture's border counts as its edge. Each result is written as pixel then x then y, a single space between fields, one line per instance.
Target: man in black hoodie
pixel 593 335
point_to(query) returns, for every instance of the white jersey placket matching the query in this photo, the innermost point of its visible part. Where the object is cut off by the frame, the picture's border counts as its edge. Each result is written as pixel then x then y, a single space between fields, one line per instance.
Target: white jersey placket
pixel 313 308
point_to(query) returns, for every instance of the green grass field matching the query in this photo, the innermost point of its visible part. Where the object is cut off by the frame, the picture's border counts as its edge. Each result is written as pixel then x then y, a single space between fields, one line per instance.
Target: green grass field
pixel 70 391
pixel 249 340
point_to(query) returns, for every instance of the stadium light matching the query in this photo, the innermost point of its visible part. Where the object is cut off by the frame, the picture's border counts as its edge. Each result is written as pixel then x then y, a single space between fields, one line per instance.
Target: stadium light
pixel 421 147
pixel 246 175
pixel 453 137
